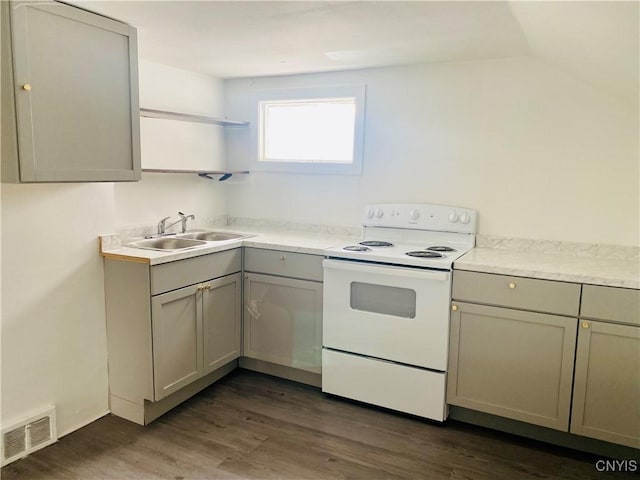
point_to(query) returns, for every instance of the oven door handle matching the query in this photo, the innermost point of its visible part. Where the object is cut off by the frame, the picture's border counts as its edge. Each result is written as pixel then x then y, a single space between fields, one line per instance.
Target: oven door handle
pixel 394 271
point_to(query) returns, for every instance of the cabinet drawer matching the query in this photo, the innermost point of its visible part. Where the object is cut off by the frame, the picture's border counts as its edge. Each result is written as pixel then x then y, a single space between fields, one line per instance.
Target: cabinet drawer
pixel 170 276
pixel 286 264
pixel 517 292
pixel 611 303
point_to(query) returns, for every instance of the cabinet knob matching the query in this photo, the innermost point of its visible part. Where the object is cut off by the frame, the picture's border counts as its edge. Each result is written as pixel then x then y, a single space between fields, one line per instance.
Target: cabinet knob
pixel 246 275
pixel 454 308
pixel 585 324
pixel 26 87
pixel 283 258
pixel 512 285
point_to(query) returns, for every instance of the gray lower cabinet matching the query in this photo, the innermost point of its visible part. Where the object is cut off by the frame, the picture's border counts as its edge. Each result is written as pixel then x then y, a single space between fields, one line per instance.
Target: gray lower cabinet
pixel 177 339
pixel 512 363
pixel 282 315
pixel 195 330
pixel 606 395
pixel 69 95
pixel 170 328
pixel 283 321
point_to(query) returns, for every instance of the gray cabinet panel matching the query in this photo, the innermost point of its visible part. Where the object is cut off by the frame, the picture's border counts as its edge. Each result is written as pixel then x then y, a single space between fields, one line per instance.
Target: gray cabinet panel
pixel 611 303
pixel 606 398
pixel 512 363
pixel 172 275
pixel 517 292
pixel 283 321
pixel 286 264
pixel 177 339
pixel 78 118
pixel 221 321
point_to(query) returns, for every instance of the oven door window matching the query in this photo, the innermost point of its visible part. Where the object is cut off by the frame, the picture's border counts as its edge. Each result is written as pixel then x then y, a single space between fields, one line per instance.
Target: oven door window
pixel 394 301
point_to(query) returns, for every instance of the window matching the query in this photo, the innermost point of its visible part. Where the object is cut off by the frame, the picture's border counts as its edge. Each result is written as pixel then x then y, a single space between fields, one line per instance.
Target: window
pixel 315 130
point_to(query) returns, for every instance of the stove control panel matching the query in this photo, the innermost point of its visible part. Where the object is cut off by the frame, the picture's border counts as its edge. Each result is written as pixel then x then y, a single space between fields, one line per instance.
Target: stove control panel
pixel 421 216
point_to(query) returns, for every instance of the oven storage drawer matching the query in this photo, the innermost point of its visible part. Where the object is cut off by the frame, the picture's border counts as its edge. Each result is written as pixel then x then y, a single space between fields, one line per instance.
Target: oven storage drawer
pixel 398 387
pixel 516 292
pixel 285 264
pixel 620 305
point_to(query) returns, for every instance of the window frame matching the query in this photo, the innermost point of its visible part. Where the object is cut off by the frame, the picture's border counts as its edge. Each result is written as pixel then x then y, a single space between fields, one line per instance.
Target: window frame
pixel 301 94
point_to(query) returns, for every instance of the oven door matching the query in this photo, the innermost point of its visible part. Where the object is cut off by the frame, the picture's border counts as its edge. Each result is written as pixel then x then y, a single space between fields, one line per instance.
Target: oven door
pixel 388 312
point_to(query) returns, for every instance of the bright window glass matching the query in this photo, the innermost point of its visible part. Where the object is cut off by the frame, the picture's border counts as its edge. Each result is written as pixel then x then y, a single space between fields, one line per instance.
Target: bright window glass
pixel 318 130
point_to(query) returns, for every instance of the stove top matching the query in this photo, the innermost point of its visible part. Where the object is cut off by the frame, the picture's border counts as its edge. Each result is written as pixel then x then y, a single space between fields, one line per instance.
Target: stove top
pixel 414 235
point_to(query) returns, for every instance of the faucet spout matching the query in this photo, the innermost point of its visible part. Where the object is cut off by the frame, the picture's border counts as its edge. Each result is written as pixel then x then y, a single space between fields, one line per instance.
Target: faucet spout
pixel 162 224
pixel 184 218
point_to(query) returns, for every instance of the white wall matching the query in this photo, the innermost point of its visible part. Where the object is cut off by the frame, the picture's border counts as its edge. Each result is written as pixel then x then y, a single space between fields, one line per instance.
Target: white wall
pixel 53 320
pixel 175 144
pixel 539 154
pixel 53 317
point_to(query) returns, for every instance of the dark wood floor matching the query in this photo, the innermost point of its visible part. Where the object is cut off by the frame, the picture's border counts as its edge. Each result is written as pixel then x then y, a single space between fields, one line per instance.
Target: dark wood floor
pixel 250 425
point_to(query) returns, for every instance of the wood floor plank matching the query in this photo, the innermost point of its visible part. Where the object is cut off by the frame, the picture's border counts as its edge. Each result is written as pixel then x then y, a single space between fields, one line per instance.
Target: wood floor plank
pixel 252 426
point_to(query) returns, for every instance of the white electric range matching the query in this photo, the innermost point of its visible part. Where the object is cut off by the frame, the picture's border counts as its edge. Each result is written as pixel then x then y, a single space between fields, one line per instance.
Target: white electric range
pixel 386 307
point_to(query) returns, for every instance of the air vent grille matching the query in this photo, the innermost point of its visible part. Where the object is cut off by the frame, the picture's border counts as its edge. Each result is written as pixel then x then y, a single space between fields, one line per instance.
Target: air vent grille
pixel 28 435
pixel 14 442
pixel 39 431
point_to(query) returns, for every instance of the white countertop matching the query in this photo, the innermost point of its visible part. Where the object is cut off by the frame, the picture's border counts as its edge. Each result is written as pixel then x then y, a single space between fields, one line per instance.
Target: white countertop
pixel 594 270
pixel 612 272
pixel 272 239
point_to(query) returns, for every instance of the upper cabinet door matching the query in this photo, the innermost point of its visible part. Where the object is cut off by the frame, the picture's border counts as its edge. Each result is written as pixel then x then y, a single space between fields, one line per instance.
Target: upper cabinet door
pixel 76 95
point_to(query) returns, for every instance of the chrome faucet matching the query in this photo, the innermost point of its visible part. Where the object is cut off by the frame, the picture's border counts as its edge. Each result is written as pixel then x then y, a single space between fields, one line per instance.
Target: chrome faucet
pixel 162 224
pixel 184 218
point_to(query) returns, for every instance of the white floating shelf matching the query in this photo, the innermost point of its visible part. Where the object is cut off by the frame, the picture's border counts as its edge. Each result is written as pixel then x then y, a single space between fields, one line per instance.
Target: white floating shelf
pixel 185 117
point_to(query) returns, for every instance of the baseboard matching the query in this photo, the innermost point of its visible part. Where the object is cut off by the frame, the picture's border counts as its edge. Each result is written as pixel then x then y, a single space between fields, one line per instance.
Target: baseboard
pixel 146 412
pixel 83 424
pixel 547 435
pixel 281 371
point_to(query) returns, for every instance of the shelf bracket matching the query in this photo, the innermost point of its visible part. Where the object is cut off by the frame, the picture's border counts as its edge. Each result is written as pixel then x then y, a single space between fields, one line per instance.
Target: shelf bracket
pixel 224 176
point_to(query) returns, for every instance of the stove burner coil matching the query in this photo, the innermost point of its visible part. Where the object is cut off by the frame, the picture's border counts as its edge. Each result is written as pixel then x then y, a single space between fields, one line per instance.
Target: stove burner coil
pixel 376 243
pixel 424 254
pixel 439 248
pixel 357 248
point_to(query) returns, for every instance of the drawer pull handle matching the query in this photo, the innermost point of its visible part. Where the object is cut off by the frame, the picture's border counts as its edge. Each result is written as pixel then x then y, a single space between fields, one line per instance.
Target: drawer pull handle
pixel 454 308
pixel 585 324
pixel 512 285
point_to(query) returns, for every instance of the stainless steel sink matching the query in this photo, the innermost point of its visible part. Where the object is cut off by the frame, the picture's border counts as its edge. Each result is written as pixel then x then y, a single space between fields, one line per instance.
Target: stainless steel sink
pixel 214 236
pixel 168 243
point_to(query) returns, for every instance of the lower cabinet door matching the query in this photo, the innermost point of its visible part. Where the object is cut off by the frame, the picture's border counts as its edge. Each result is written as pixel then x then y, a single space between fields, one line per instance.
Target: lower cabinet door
pixel 512 363
pixel 283 321
pixel 177 339
pixel 606 396
pixel 221 304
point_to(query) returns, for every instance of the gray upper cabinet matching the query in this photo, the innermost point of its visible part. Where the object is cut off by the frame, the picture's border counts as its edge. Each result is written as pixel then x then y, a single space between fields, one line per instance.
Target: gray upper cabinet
pixel 70 108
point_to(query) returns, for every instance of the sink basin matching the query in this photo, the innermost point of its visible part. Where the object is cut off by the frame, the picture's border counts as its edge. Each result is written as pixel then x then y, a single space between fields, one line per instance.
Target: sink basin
pixel 168 243
pixel 213 236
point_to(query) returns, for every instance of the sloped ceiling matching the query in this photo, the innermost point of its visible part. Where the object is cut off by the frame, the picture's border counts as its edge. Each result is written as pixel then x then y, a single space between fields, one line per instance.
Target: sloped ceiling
pixel 595 41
